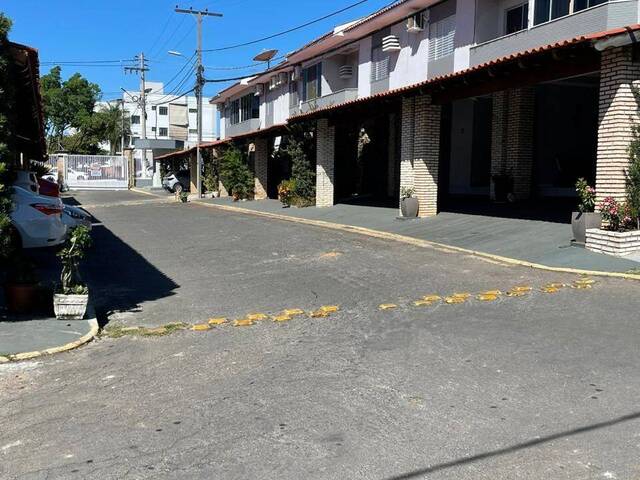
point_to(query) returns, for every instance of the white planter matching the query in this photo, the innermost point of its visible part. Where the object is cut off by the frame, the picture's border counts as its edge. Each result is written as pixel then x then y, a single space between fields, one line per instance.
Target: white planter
pixel 70 307
pixel 613 243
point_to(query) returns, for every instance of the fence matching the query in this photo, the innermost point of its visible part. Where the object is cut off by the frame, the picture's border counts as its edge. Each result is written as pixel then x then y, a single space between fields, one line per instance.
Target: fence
pixel 89 172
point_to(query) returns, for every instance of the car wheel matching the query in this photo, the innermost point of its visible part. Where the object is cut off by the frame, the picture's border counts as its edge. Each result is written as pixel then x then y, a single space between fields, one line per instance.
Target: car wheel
pixel 177 188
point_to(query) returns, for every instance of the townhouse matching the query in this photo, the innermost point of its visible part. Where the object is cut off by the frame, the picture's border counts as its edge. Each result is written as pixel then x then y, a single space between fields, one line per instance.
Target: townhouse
pixel 461 100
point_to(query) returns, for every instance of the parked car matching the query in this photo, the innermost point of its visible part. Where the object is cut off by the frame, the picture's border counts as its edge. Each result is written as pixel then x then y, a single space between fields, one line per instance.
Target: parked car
pixel 177 182
pixel 27 180
pixel 37 218
pixel 74 175
pixel 48 188
pixel 73 216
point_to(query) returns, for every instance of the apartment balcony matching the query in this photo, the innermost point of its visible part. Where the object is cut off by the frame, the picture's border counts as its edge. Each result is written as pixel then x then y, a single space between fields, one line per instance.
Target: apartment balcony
pixel 595 19
pixel 231 130
pixel 325 101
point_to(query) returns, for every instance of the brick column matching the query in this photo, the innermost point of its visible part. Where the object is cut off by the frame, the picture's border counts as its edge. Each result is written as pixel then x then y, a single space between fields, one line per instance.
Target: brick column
pixel 512 138
pixel 618 111
pixel 193 172
pixel 325 161
pixel 420 151
pixel 261 164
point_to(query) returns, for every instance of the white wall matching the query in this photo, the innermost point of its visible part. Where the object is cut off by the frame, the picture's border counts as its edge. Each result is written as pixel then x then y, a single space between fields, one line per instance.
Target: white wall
pixel 364 68
pixel 409 65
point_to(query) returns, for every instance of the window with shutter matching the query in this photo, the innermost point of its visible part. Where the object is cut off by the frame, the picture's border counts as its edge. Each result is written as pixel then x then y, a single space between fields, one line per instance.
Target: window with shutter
pixel 441 35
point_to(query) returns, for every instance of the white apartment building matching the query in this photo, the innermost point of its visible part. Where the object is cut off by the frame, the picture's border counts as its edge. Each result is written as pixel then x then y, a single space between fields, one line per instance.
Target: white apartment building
pixel 171 124
pixel 456 96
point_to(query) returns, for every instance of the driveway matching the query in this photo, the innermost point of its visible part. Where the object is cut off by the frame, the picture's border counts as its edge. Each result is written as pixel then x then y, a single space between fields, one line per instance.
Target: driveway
pixel 538 386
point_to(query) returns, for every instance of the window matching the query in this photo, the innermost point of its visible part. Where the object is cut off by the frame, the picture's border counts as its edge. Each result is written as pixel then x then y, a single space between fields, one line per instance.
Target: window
pixel 193 130
pixel 546 10
pixel 249 107
pixel 163 111
pixel 193 110
pixel 134 140
pixel 312 82
pixel 135 119
pixel 517 18
pixel 234 112
pixel 163 132
pixel 153 107
pixel 153 129
pixel 293 93
pixel 441 35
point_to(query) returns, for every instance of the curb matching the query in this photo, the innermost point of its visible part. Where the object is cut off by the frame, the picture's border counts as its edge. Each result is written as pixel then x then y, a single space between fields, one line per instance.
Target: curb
pixel 50 351
pixel 421 243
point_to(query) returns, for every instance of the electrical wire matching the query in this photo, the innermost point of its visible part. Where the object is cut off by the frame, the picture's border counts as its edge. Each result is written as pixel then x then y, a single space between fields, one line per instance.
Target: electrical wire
pixel 164 28
pixel 279 34
pixel 243 67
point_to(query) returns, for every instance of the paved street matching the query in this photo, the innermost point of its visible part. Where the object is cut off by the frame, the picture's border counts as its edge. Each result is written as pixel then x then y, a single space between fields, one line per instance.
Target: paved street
pixel 537 385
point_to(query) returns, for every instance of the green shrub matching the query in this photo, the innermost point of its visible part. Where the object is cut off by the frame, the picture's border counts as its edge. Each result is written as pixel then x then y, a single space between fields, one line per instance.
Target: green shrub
pixel 235 174
pixel 74 251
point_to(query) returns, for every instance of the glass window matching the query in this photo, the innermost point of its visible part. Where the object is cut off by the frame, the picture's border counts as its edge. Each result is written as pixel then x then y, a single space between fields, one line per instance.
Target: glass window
pixel 312 82
pixel 164 132
pixel 441 35
pixel 163 110
pixel 193 110
pixel 135 119
pixel 193 130
pixel 550 9
pixel 153 107
pixel 517 18
pixel 234 112
pixel 582 4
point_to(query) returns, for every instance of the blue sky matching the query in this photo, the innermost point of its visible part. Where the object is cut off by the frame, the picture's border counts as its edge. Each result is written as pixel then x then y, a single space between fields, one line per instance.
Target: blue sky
pixel 90 30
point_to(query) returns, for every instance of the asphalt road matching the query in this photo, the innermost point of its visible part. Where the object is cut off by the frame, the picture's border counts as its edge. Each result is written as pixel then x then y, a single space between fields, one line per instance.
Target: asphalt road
pixel 541 386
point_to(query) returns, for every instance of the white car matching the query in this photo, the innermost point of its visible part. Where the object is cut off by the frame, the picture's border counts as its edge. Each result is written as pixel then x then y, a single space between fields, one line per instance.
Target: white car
pixel 27 180
pixel 73 216
pixel 37 218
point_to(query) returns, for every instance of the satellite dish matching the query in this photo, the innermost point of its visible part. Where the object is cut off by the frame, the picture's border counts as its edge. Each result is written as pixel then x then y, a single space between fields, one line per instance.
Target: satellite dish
pixel 265 56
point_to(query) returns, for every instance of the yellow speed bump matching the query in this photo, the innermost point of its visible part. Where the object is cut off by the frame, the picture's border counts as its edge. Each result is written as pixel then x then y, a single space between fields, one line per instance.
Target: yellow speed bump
pixel 217 321
pixel 282 318
pixel 515 293
pixel 555 285
pixel 200 327
pixel 487 297
pixel 432 298
pixel 243 322
pixel 453 300
pixel 422 303
pixel 549 289
pixel 318 314
pixel 492 292
pixel 257 316
pixel 293 311
pixel 521 288
pixel 387 306
pixel 330 308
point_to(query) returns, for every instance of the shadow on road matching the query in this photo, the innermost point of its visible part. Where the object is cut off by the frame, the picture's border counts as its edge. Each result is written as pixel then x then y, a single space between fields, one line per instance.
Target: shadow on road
pixel 514 448
pixel 120 278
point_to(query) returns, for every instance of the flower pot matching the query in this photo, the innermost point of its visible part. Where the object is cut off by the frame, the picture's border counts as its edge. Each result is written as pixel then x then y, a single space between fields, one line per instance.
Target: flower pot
pixel 70 307
pixel 409 207
pixel 22 298
pixel 580 222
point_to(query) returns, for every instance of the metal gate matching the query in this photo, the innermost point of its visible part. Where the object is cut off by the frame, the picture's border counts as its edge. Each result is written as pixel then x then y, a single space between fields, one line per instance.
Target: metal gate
pixel 89 172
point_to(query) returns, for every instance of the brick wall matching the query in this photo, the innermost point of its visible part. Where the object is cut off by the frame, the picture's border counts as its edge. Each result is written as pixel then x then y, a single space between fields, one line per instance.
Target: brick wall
pixel 325 161
pixel 617 113
pixel 420 151
pixel 261 168
pixel 512 138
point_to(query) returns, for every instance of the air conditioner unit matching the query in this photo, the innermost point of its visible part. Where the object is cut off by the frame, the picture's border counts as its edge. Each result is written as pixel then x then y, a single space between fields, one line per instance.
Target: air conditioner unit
pixel 391 43
pixel 416 23
pixel 282 78
pixel 259 90
pixel 297 73
pixel 345 71
pixel 273 82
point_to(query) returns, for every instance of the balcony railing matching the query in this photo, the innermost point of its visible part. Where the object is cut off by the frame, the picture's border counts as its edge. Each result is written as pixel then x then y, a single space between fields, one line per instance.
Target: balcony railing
pixel 231 130
pixel 595 19
pixel 325 101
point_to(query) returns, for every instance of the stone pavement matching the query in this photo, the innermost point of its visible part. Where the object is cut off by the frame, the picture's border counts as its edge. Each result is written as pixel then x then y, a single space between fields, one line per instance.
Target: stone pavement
pixel 545 243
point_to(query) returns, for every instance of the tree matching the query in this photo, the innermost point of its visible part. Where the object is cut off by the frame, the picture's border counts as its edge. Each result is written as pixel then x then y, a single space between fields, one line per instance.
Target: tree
pixel 112 126
pixel 68 104
pixel 633 172
pixel 235 174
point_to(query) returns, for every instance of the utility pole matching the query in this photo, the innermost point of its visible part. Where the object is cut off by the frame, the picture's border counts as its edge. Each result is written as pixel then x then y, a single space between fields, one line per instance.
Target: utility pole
pixel 141 70
pixel 200 81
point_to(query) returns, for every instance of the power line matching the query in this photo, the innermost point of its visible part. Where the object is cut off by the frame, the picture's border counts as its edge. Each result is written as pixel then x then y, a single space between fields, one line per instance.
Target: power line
pixel 91 61
pixel 279 34
pixel 164 28
pixel 243 67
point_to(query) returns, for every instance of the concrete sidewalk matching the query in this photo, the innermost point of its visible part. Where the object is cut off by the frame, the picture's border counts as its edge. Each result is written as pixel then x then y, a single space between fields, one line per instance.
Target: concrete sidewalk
pixel 539 242
pixel 21 339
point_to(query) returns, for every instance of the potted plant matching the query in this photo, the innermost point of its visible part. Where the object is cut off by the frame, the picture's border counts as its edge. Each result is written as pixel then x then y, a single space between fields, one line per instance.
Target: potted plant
pixel 408 203
pixel 286 191
pixel 70 301
pixel 21 289
pixel 585 218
